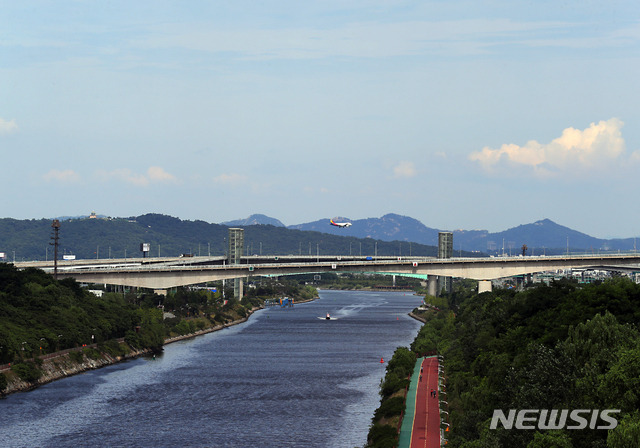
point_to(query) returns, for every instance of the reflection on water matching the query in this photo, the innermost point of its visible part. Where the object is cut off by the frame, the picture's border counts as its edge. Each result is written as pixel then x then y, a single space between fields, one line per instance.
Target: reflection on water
pixel 283 379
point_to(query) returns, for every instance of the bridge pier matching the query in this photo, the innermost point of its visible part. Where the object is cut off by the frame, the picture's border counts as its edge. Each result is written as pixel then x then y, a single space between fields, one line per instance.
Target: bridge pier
pixel 238 288
pixel 432 285
pixel 484 286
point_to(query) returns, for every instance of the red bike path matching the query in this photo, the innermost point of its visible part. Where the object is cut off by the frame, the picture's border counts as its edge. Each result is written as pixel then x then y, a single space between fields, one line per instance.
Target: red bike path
pixel 421 424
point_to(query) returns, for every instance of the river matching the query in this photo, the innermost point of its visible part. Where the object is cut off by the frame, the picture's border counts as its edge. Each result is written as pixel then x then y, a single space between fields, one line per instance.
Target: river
pixel 283 379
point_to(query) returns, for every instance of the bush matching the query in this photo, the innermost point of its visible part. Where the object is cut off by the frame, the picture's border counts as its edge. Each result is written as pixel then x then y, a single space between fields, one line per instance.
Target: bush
pixel 3 382
pixel 382 436
pixel 27 371
pixel 91 353
pixel 113 348
pixel 402 362
pixel 182 328
pixel 132 339
pixel 392 383
pixel 389 408
pixel 76 356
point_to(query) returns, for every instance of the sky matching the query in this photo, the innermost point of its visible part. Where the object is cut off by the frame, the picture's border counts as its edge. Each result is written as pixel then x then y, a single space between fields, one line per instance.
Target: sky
pixel 461 114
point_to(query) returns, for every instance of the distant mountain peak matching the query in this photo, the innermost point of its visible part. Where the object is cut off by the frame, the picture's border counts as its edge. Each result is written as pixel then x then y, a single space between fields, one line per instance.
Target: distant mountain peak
pixel 255 219
pixel 543 222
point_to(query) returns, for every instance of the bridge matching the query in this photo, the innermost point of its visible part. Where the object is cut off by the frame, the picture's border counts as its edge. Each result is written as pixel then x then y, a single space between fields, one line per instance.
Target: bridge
pixel 163 273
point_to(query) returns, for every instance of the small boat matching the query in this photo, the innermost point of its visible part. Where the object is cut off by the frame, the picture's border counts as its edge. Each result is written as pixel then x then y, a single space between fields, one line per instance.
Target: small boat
pixel 328 317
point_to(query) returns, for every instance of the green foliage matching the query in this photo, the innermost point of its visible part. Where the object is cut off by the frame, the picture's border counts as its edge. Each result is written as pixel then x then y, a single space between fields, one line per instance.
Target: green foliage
pixel 392 383
pixel 152 330
pixel 551 439
pixel 388 408
pixel 121 237
pixel 627 433
pixel 3 382
pixel 91 353
pixel 113 348
pixel 27 371
pixel 182 328
pixel 396 379
pixel 561 346
pixel 382 436
pixel 402 362
pixel 37 311
pixel 76 356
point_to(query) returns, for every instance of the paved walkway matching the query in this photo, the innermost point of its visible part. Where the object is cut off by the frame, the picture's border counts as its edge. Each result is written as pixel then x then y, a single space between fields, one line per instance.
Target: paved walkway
pixel 421 423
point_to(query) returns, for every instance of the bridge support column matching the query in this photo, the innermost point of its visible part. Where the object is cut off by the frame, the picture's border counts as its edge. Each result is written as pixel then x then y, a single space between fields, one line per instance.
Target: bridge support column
pixel 238 288
pixel 432 285
pixel 484 286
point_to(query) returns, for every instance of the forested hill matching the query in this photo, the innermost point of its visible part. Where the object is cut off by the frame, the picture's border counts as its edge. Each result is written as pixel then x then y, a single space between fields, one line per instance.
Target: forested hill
pixel 170 236
pixel 562 346
pixel 39 315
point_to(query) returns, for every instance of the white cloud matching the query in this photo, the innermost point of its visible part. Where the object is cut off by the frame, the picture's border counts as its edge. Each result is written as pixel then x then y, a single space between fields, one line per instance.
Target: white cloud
pixel 65 176
pixel 155 174
pixel 7 126
pixel 230 179
pixel 404 170
pixel 589 149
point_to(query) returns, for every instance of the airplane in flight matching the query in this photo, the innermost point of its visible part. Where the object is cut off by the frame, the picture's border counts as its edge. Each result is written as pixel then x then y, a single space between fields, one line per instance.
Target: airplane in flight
pixel 340 224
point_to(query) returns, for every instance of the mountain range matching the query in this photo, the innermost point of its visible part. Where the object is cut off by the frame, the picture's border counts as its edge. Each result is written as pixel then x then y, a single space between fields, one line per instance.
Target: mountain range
pixel 391 235
pixel 541 236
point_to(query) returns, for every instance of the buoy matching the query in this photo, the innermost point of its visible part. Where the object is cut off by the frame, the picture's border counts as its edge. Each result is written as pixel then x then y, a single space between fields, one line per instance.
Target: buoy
pixel 381 361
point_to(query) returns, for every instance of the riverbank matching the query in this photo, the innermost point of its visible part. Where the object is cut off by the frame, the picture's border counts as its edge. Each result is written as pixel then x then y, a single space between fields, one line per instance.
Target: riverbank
pixel 62 364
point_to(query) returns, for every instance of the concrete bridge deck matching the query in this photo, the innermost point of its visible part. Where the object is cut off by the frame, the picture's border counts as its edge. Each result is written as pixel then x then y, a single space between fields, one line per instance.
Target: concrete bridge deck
pixel 164 273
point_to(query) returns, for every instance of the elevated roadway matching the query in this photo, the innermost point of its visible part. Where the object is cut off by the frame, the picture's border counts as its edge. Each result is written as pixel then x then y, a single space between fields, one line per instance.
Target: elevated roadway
pixel 164 273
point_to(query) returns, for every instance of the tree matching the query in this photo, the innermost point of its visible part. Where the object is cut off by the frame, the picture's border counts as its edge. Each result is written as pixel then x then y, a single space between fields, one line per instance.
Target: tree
pixel 627 433
pixel 551 439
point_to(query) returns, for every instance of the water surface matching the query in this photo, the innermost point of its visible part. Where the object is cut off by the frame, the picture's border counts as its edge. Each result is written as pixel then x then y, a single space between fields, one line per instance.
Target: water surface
pixel 285 378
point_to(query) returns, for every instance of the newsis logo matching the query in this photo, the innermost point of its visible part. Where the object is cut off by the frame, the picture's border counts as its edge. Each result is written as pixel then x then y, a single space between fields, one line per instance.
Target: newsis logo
pixel 555 419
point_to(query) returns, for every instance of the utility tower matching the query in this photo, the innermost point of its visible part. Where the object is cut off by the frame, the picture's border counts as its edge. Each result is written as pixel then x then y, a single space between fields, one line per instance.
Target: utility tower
pixel 234 256
pixel 445 250
pixel 56 228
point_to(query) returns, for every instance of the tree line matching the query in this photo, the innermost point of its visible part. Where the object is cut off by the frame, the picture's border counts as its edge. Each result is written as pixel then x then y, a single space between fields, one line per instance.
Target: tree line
pixel 27 240
pixel 40 315
pixel 557 346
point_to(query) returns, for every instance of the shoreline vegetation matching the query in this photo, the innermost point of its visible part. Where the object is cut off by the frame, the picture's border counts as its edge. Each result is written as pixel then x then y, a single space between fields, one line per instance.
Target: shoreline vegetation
pixel 564 345
pixel 71 362
pixel 75 361
pixel 52 329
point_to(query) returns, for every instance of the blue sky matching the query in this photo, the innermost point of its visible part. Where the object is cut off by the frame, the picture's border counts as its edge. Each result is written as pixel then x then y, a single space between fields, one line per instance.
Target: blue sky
pixel 462 114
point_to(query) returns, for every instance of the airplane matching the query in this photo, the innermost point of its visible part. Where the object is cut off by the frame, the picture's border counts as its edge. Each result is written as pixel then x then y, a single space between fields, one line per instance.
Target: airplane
pixel 340 224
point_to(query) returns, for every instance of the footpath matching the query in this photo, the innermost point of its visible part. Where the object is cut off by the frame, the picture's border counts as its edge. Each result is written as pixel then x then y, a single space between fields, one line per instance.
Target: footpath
pixel 421 422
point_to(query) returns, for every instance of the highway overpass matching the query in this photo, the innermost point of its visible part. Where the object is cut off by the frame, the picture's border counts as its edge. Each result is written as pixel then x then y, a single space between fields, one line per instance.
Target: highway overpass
pixel 165 273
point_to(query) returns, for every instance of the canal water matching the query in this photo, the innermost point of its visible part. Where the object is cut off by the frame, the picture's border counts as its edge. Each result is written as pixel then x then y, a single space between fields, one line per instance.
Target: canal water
pixel 285 378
